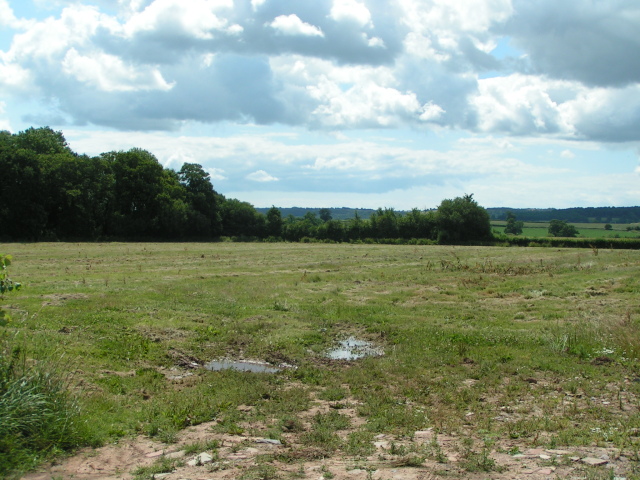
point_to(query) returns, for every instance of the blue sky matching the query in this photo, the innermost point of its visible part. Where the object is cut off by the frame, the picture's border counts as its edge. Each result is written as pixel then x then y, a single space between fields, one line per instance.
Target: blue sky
pixel 359 103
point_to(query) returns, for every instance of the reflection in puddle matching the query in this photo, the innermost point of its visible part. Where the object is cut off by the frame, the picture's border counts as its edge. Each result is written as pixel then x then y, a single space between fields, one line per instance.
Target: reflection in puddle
pixel 353 349
pixel 243 366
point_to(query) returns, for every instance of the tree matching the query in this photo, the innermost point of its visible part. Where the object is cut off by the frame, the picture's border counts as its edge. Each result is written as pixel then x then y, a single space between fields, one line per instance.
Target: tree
pixel 560 228
pixel 384 223
pixel 204 217
pixel 22 214
pixel 462 220
pixel 274 222
pixel 325 214
pixel 43 141
pixel 417 224
pixel 608 226
pixel 513 227
pixel 138 184
pixel 241 219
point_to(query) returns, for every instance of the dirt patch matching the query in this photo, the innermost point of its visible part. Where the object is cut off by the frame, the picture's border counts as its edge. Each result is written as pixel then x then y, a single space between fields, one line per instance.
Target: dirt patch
pixel 427 454
pixel 57 299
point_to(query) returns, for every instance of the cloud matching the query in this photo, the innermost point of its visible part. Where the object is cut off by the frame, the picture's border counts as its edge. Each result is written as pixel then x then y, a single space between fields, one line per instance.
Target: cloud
pixel 350 11
pixel 589 41
pixel 568 154
pixel 333 65
pixel 261 176
pixel 519 104
pixel 109 73
pixel 292 25
pixel 197 19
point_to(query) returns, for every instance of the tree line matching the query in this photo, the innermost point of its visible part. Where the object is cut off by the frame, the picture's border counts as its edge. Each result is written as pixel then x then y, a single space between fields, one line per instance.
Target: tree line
pixel 48 192
pixel 570 215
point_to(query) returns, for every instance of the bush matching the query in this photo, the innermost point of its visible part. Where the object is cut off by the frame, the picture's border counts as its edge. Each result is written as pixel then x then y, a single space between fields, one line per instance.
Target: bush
pixel 39 415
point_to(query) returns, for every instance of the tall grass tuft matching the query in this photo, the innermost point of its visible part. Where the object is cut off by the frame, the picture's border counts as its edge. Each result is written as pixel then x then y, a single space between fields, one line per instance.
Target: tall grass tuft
pixel 38 414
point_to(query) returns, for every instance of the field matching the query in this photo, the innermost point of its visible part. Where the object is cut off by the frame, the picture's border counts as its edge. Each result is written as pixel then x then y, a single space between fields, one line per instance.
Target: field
pixel 586 230
pixel 496 362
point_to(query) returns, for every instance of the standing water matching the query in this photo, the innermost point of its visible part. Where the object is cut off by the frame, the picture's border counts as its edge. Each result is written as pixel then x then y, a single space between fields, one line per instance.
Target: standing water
pixel 353 349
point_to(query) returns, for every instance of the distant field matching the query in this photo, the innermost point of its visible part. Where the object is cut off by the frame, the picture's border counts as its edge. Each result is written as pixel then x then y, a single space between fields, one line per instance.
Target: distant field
pixel 488 352
pixel 586 230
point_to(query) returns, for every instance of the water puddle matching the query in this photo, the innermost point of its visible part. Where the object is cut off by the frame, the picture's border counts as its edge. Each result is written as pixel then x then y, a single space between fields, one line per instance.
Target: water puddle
pixel 242 366
pixel 353 349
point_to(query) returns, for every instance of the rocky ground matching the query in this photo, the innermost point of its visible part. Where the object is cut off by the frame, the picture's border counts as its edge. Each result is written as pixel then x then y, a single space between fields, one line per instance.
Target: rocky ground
pixel 425 455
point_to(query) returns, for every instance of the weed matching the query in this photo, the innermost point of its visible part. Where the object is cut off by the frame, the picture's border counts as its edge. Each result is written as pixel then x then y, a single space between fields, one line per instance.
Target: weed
pixel 262 471
pixel 162 465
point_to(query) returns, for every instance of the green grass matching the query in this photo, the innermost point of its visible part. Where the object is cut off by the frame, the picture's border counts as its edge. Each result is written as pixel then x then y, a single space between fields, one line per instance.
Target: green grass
pixel 549 339
pixel 586 230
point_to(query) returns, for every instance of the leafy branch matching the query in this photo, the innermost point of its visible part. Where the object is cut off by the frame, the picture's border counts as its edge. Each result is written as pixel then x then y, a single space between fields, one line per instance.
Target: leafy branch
pixel 6 285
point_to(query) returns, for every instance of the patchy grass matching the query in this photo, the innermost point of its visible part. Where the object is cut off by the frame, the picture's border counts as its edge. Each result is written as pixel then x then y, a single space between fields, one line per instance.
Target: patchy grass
pixel 537 347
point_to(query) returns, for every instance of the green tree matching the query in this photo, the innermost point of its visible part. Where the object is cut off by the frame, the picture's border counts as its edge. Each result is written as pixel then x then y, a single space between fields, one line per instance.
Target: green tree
pixel 331 230
pixel 462 220
pixel 513 226
pixel 241 219
pixel 384 223
pixel 274 222
pixel 417 224
pixel 560 228
pixel 325 214
pixel 204 214
pixel 42 141
pixel 138 184
pixel 22 213
pixel 608 226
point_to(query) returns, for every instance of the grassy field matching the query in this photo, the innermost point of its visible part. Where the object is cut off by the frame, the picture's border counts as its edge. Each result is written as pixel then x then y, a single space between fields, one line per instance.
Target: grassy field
pixel 586 230
pixel 499 349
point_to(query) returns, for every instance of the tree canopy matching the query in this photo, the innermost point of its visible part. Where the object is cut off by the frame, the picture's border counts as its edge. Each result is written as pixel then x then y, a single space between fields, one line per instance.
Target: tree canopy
pixel 48 192
pixel 462 220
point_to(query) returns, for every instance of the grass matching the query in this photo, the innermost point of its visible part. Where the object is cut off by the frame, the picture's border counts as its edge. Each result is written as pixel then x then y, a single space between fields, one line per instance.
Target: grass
pixel 586 230
pixel 547 339
pixel 39 414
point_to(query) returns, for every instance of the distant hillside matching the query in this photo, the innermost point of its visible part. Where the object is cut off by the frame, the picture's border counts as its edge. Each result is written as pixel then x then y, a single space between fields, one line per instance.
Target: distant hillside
pixel 574 215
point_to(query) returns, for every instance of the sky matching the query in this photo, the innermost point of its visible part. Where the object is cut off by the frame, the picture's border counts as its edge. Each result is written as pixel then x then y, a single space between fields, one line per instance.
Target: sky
pixel 343 103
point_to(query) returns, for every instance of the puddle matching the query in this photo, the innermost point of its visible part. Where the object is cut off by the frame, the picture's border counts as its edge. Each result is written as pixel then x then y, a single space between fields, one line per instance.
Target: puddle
pixel 242 366
pixel 353 349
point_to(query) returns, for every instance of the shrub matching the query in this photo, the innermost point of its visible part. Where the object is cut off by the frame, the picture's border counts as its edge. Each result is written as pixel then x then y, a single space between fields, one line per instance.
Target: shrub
pixel 39 415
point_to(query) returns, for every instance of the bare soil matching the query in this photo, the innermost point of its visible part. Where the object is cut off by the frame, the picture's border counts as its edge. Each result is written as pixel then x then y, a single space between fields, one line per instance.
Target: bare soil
pixel 254 457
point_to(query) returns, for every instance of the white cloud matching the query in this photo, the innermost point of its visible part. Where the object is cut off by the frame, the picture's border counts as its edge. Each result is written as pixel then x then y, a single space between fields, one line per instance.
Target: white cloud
pixel 4 122
pixel 14 77
pixel 256 4
pixel 568 154
pixel 216 174
pixel 431 112
pixel 344 163
pixel 109 73
pixel 351 10
pixel 375 42
pixel 261 176
pixel 196 18
pixel 364 105
pixel 292 25
pixel 520 105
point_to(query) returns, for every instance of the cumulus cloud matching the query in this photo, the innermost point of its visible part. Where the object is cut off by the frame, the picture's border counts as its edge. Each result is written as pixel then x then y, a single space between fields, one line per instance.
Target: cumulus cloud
pixel 261 176
pixel 292 25
pixel 587 40
pixel 334 64
pixel 109 73
pixel 350 11
pixel 196 18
